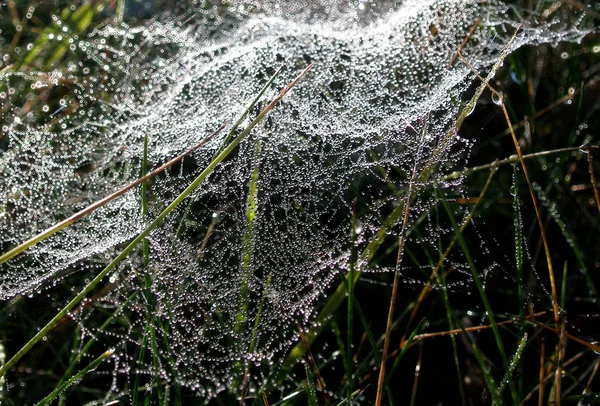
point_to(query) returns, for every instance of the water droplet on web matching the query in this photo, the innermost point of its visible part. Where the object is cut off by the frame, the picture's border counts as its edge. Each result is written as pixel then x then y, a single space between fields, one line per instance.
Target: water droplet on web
pixel 498 98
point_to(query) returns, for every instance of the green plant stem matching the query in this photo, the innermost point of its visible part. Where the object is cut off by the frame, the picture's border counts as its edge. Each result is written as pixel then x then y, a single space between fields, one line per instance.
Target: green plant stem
pixel 93 365
pixel 158 221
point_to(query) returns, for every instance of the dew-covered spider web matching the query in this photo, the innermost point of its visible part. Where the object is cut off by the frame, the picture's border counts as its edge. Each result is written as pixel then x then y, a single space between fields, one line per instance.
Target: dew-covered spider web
pixel 234 267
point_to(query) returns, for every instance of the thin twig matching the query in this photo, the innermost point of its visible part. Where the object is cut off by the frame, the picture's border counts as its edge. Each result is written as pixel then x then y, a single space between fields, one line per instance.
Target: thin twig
pixel 388 329
pixel 425 336
pixel 462 45
pixel 514 159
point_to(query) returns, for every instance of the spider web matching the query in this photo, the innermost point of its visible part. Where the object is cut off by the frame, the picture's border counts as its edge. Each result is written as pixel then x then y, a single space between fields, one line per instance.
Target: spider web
pixel 379 104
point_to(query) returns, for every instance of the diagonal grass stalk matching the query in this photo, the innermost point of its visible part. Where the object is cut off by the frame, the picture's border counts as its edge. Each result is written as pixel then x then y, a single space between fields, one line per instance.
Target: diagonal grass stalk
pixel 157 222
pixel 254 337
pixel 75 378
pixel 99 203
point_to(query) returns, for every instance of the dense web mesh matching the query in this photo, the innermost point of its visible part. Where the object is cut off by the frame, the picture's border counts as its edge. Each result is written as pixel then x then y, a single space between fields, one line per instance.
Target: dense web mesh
pixel 378 106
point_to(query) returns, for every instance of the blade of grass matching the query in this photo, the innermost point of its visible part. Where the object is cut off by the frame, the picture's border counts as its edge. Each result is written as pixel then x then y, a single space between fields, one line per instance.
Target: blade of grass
pixel 92 284
pixel 403 351
pixel 248 243
pixel 75 378
pixel 254 338
pixel 140 360
pixel 570 237
pixel 513 364
pixel 309 387
pixel 449 315
pixel 518 226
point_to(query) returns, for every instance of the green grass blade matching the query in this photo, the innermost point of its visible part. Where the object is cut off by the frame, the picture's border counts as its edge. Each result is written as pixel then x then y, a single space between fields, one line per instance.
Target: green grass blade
pixel 570 237
pixel 75 378
pixel 141 355
pixel 513 364
pixel 311 391
pixel 403 351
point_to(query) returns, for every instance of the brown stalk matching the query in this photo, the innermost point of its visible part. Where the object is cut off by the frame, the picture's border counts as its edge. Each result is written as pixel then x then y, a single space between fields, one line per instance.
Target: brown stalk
pixel 417 372
pixel 425 336
pixel 462 45
pixel 562 344
pixel 311 360
pixel 593 374
pixel 99 203
pixel 592 175
pixel 209 231
pixel 388 328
